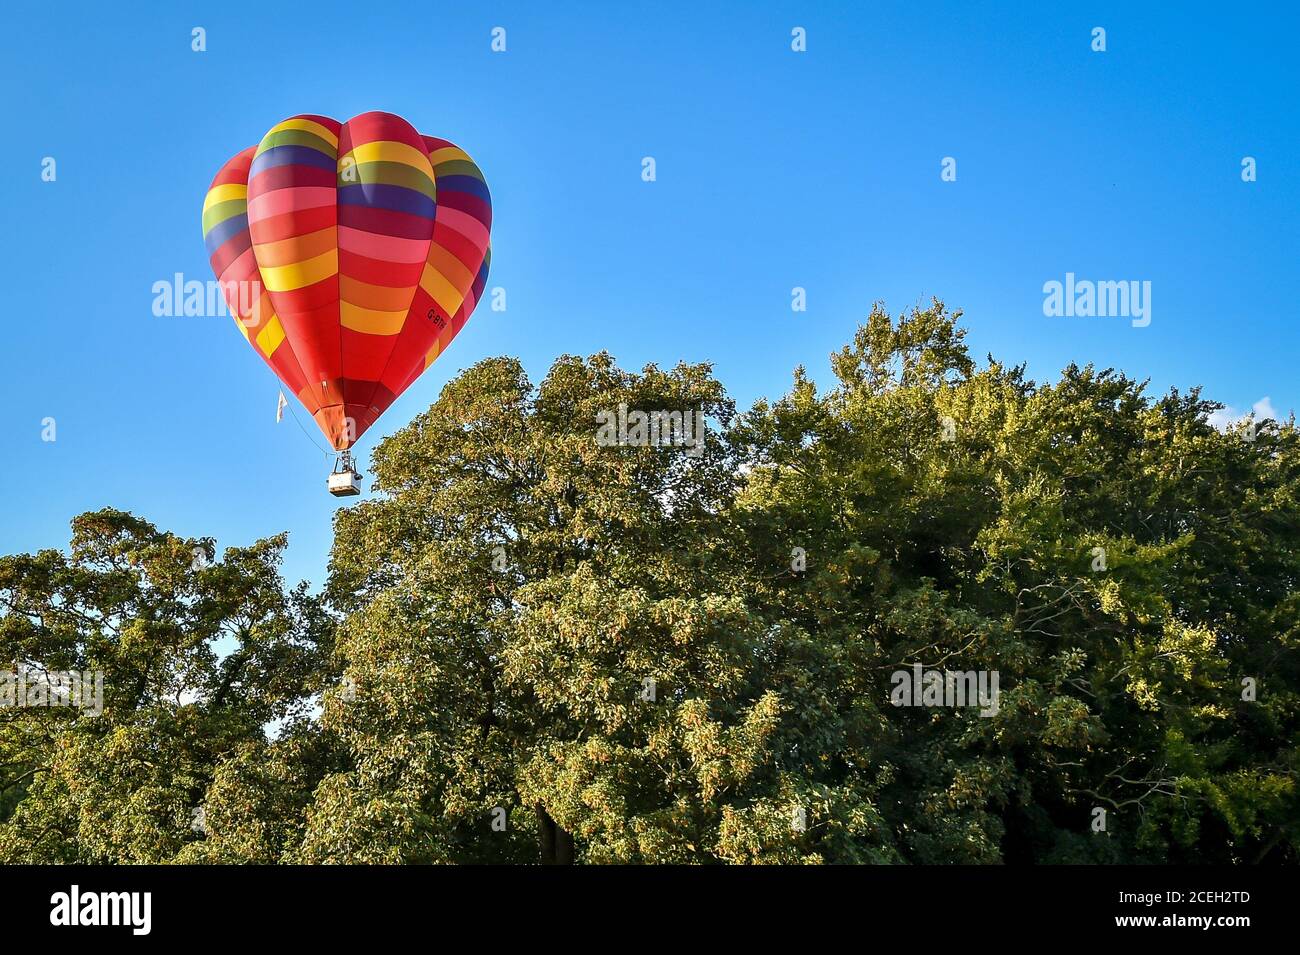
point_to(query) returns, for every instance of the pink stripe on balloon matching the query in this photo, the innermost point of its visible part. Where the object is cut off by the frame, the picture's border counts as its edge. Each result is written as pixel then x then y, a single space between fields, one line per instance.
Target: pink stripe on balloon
pixel 387 248
pixel 241 268
pixel 465 224
pixel 280 201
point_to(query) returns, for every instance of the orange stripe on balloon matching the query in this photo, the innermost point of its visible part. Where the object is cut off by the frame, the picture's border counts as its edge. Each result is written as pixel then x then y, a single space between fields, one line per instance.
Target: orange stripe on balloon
pixel 381 297
pixel 296 248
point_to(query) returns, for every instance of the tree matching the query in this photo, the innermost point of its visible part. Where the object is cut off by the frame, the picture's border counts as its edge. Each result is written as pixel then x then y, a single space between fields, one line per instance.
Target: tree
pixel 195 655
pixel 542 629
pixel 1121 564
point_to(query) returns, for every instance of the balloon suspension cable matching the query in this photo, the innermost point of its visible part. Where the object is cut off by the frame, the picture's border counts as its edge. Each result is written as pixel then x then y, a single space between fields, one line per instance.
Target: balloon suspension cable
pixel 345 463
pixel 306 434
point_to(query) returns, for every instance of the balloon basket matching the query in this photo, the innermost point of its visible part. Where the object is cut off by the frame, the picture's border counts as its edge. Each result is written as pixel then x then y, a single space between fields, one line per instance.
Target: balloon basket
pixel 345 481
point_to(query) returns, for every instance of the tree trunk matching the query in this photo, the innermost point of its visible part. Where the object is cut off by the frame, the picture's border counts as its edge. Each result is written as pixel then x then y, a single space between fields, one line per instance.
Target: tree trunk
pixel 555 844
pixel 563 847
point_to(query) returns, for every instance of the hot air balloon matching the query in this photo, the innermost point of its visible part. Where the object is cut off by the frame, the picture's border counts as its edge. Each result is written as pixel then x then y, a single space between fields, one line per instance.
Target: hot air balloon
pixel 350 255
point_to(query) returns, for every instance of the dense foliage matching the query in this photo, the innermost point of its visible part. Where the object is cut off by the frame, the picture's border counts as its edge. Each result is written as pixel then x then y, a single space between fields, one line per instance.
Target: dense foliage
pixel 534 646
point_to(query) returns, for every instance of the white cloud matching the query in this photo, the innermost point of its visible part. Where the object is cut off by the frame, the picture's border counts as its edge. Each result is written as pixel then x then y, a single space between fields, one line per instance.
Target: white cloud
pixel 1264 409
pixel 1226 417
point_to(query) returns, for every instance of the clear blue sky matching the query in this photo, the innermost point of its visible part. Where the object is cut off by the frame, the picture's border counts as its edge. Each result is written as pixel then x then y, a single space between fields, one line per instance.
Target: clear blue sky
pixel 775 169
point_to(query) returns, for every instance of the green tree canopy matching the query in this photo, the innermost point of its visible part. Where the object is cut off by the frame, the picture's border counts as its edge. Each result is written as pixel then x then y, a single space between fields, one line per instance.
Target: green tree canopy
pixel 534 644
pixel 150 611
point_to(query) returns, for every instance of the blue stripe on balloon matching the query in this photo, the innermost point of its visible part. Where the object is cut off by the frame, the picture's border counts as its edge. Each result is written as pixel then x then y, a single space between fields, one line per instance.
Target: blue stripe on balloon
pixel 222 231
pixel 469 184
pixel 292 156
pixel 378 195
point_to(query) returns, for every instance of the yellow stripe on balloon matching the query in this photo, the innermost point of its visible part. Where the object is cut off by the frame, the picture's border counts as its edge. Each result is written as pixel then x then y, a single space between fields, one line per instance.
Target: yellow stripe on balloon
pixel 223 192
pixel 388 151
pixel 269 338
pixel 309 126
pixel 453 268
pixel 369 320
pixel 432 354
pixel 286 278
pixel 440 290
pixel 448 154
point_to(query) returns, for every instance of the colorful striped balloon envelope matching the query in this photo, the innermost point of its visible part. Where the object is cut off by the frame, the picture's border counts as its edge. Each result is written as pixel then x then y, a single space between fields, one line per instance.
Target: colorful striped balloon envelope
pixel 350 255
